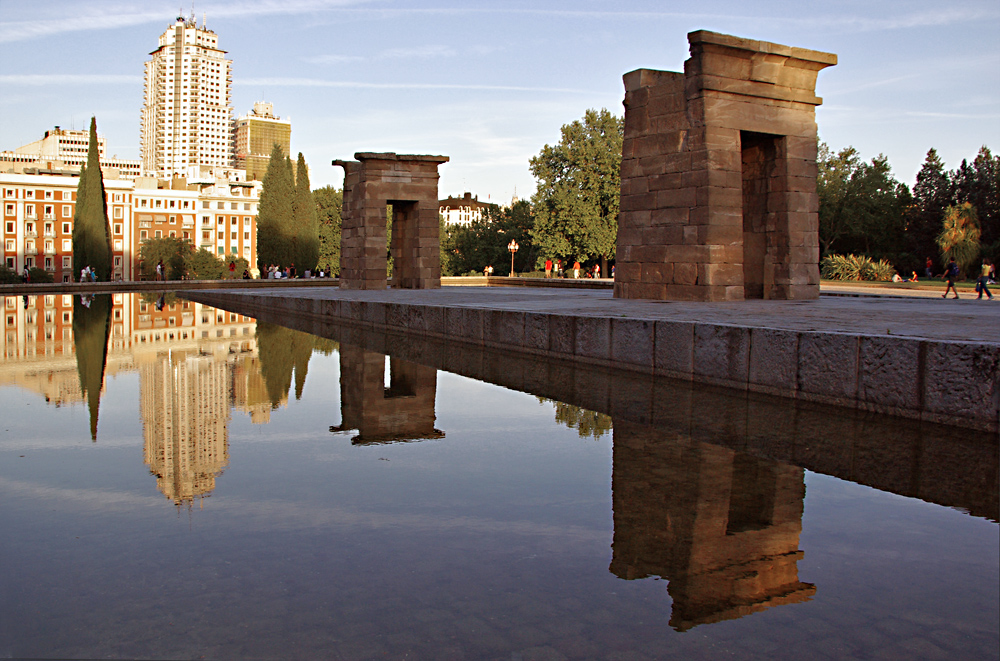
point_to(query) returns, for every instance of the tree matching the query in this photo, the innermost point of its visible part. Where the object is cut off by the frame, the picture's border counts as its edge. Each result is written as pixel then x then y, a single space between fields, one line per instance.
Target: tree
pixel 861 205
pixel 579 189
pixel 91 231
pixel 932 194
pixel 305 238
pixel 329 201
pixel 275 216
pixel 979 185
pixel 172 251
pixel 959 237
pixel 484 241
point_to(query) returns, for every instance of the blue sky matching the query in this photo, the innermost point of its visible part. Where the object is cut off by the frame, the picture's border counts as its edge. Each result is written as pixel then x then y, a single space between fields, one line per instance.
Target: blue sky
pixel 489 84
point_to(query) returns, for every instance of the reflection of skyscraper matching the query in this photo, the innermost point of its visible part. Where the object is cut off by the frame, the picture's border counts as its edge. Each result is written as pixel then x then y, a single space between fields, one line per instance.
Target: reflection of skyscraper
pixel 721 526
pixel 402 412
pixel 184 403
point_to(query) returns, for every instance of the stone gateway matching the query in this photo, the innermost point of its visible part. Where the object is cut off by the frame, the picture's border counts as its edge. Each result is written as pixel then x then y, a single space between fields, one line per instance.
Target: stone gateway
pixel 718 198
pixel 408 182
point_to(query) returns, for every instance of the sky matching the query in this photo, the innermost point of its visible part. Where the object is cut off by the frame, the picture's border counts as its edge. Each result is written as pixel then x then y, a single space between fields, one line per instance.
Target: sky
pixel 490 83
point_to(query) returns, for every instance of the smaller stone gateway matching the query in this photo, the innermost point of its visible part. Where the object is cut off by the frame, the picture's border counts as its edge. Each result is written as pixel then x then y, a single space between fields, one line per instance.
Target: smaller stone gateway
pixel 409 182
pixel 719 175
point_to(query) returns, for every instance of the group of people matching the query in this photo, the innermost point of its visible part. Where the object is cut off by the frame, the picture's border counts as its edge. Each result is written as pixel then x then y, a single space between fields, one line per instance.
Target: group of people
pixel 987 276
pixel 275 272
pixel 555 269
pixel 87 274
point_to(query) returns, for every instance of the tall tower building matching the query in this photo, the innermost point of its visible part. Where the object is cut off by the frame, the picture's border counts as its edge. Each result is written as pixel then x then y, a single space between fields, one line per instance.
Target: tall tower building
pixel 187 115
pixel 255 136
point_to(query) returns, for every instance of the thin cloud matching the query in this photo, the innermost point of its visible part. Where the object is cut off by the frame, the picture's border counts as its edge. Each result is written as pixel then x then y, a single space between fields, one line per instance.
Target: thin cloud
pixel 420 52
pixel 315 82
pixel 40 80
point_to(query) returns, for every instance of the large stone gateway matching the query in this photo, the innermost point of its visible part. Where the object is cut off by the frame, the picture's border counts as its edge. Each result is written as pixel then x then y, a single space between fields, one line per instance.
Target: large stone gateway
pixel 408 182
pixel 719 175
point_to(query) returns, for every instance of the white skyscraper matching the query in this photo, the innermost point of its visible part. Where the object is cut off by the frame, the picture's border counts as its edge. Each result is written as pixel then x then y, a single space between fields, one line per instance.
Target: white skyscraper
pixel 187 116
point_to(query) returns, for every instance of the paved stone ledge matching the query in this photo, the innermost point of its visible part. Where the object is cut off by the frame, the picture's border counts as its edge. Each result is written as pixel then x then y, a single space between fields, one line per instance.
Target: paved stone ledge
pixel 827 351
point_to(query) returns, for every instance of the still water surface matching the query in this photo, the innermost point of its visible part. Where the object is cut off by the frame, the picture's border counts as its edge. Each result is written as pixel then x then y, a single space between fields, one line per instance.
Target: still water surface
pixel 214 487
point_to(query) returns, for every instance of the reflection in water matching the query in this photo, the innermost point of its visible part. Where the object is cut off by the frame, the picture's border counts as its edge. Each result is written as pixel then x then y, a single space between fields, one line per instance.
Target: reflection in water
pixel 92 328
pixel 721 526
pixel 402 412
pixel 586 423
pixel 282 351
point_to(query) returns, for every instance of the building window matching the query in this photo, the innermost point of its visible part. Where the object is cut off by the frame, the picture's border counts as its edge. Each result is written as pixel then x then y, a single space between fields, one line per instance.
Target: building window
pixel 222 235
pixel 232 220
pixel 158 234
pixel 67 262
pixel 246 236
pixel 118 213
pixel 142 203
pixel 220 205
pixel 10 228
pixel 118 228
pixel 67 245
pixel 234 236
pixel 143 235
pixel 206 205
pixel 118 245
pixel 173 234
pixel 10 209
pixel 67 211
pixel 173 219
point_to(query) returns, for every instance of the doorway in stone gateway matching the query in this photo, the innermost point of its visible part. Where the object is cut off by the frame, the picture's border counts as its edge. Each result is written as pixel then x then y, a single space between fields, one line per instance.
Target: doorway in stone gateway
pixel 759 219
pixel 403 243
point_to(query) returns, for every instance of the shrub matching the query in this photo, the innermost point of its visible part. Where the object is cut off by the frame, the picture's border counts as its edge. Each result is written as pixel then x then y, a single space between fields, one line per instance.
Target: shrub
pixel 8 276
pixel 36 274
pixel 855 267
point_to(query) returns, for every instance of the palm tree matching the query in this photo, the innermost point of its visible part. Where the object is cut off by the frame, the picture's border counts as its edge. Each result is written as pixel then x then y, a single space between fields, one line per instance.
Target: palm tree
pixel 959 237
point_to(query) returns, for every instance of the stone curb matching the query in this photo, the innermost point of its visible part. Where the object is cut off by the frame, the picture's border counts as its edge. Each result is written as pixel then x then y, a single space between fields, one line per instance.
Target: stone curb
pixel 948 382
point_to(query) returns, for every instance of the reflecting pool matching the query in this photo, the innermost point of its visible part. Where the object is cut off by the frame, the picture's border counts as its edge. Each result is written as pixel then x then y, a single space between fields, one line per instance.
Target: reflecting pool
pixel 181 482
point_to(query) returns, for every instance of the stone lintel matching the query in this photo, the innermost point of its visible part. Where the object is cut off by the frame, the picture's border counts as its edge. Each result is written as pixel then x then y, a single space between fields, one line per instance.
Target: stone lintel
pixel 739 43
pixel 392 156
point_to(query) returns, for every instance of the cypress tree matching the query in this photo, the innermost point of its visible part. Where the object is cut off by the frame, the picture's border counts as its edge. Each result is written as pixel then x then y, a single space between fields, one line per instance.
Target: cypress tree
pixel 306 220
pixel 91 229
pixel 274 218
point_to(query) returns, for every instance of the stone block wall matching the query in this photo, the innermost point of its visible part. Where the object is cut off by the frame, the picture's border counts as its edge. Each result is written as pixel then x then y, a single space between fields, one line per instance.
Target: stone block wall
pixel 409 182
pixel 719 175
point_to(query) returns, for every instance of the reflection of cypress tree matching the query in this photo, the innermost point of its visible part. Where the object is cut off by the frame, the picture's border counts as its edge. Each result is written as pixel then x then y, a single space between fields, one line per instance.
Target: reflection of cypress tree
pixel 91 329
pixel 302 348
pixel 281 350
pixel 585 422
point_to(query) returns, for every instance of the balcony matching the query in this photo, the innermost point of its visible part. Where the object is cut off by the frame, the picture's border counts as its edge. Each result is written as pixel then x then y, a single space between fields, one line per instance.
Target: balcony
pixel 50 249
pixel 31 235
pixel 30 249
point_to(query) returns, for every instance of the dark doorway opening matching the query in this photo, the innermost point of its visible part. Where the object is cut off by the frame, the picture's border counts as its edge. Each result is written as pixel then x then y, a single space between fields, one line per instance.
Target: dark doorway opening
pixel 403 244
pixel 758 159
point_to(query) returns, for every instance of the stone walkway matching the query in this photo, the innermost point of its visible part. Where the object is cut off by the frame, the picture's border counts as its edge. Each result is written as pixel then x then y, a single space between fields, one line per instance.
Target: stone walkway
pixel 912 316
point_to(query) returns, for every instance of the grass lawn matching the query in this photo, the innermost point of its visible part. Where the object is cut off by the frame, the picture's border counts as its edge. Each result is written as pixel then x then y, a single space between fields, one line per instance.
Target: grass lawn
pixel 933 283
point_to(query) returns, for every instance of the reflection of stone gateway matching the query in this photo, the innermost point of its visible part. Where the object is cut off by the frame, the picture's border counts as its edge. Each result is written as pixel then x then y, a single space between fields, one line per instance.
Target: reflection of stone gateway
pixel 719 175
pixel 408 182
pixel 402 412
pixel 721 526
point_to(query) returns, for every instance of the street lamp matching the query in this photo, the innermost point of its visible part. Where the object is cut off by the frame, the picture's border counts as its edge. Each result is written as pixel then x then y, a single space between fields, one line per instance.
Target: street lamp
pixel 512 247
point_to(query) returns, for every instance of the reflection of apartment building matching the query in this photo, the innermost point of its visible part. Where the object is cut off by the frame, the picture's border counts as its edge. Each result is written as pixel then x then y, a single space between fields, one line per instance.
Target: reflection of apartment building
pixel 214 210
pixel 255 135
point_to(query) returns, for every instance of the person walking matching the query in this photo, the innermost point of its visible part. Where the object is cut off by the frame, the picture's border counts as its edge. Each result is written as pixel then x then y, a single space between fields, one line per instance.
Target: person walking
pixel 928 266
pixel 576 269
pixel 548 268
pixel 984 279
pixel 951 275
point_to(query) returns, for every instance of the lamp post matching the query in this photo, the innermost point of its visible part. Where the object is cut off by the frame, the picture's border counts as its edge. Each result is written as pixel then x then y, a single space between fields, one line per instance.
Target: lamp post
pixel 512 247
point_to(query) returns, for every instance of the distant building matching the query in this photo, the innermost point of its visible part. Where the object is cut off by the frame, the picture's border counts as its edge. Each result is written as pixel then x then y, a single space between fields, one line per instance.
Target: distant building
pixel 215 210
pixel 187 114
pixel 66 149
pixel 462 210
pixel 254 137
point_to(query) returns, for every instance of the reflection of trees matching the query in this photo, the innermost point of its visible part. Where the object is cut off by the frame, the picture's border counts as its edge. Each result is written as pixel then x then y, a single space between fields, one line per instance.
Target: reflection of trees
pixel 282 352
pixel 584 421
pixel 91 328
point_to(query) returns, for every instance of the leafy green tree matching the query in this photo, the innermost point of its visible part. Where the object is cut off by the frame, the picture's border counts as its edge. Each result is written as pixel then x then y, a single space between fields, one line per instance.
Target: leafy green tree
pixel 204 265
pixel 959 237
pixel 978 183
pixel 329 201
pixel 91 330
pixel 579 188
pixel 8 276
pixel 586 423
pixel 91 231
pixel 447 247
pixel 484 241
pixel 37 274
pixel 306 228
pixel 172 251
pixel 275 216
pixel 862 208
